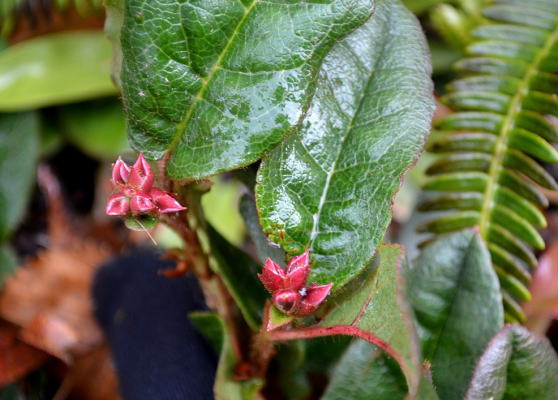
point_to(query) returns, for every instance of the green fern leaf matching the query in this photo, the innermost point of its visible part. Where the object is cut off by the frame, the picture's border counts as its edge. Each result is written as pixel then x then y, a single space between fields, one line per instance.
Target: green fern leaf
pixel 489 174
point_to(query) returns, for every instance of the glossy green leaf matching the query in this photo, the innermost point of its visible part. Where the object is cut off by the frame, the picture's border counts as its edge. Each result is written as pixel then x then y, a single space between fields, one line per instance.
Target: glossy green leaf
pixel 239 273
pixel 367 373
pixel 97 128
pixel 361 311
pixel 55 69
pixel 19 150
pixel 264 248
pixel 516 365
pixel 218 83
pixel 226 387
pixel 455 294
pixel 329 187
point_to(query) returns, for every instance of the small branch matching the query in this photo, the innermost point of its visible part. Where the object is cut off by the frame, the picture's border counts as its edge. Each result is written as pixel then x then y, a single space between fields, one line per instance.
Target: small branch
pixel 347 330
pixel 191 228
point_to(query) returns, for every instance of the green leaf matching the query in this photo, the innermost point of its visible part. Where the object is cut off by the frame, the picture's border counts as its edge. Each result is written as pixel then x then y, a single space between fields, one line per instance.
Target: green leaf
pixel 226 387
pixel 218 83
pixel 291 373
pixel 456 297
pixel 8 263
pixel 113 28
pixel 19 150
pixel 373 308
pixel 329 187
pixel 55 69
pixel 264 248
pixel 239 273
pixel 420 6
pixel 97 128
pixel 220 209
pixel 502 106
pixel 516 365
pixel 365 373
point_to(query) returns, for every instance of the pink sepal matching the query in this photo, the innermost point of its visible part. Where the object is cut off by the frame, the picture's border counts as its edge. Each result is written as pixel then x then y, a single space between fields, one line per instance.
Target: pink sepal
pixel 141 204
pixel 298 270
pixel 117 205
pixel 272 276
pixel 120 172
pixel 315 296
pixel 164 202
pixel 141 175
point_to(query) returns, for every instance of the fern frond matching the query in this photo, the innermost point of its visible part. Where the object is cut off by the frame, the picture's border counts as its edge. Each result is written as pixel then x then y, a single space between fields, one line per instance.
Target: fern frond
pixel 489 173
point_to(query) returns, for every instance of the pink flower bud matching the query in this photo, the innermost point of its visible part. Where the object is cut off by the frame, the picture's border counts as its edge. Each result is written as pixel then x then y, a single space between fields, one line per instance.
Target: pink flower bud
pixel 141 176
pixel 120 172
pixel 272 276
pixel 164 202
pixel 298 270
pixel 117 205
pixel 286 300
pixel 287 288
pixel 313 298
pixel 141 204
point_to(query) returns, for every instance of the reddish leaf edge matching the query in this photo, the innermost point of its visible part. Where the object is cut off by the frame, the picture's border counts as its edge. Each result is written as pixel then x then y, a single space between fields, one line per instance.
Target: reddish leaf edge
pixel 413 377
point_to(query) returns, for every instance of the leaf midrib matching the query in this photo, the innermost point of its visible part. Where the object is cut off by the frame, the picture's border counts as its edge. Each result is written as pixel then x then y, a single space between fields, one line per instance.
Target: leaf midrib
pixel 316 216
pixel 449 314
pixel 507 126
pixel 183 124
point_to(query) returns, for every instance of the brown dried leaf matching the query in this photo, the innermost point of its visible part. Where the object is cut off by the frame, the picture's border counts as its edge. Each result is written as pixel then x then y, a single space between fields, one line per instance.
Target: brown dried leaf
pixel 91 377
pixel 17 359
pixel 49 297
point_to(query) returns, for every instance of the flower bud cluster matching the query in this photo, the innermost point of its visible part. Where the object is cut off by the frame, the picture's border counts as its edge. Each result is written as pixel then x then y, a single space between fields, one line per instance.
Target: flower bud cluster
pixel 288 289
pixel 134 192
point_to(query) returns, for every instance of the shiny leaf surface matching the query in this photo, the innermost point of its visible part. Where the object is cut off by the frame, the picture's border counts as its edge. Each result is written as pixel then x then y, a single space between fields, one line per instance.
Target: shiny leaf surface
pixel 218 83
pixel 456 297
pixel 516 365
pixel 329 187
pixel 367 373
